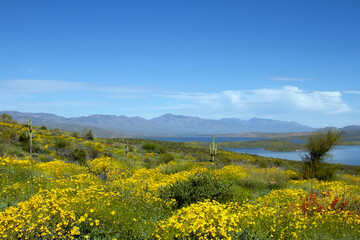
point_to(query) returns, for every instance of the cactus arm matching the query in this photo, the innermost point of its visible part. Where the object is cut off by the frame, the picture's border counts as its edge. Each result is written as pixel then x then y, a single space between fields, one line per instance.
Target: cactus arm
pixel 30 134
pixel 213 149
pixel 126 149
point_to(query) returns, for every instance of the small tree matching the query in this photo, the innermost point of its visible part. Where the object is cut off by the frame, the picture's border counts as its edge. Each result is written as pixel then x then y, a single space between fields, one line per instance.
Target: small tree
pixel 6 118
pixel 87 134
pixel 318 144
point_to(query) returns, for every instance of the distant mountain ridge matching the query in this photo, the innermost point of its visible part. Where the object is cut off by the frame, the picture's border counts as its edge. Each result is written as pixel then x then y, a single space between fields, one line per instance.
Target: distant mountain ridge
pixel 165 125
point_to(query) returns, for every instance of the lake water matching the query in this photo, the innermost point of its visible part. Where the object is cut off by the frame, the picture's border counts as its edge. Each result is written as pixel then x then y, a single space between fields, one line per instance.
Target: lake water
pixel 349 155
pixel 208 139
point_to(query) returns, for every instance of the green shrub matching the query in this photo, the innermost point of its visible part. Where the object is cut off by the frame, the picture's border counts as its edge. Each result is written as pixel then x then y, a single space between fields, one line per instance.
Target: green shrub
pixel 150 147
pixel 45 158
pixel 160 150
pixel 11 150
pixel 150 163
pixel 202 158
pixel 174 168
pixel 23 139
pixel 166 158
pixel 60 143
pixel 93 153
pixel 198 188
pixel 78 155
pixel 75 134
pixel 326 172
pixel 87 134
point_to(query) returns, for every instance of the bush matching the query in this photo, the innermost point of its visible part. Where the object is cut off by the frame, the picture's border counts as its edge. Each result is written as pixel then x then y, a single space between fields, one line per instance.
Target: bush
pixel 45 158
pixel 166 158
pixel 318 144
pixel 60 143
pixel 10 150
pixel 198 188
pixel 87 134
pixel 75 134
pixel 160 150
pixel 149 147
pixel 77 155
pixel 149 163
pixel 6 118
pixel 93 153
pixel 174 167
pixel 326 172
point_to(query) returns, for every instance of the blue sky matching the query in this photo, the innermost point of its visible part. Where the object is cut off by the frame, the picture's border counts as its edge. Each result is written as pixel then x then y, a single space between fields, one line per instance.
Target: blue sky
pixel 285 60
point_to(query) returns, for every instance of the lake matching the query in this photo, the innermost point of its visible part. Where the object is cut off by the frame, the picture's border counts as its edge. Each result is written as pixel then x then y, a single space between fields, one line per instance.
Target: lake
pixel 349 155
pixel 207 139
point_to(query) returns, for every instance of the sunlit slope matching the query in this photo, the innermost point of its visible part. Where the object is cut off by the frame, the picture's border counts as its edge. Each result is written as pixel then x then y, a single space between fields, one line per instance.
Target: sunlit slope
pixel 73 188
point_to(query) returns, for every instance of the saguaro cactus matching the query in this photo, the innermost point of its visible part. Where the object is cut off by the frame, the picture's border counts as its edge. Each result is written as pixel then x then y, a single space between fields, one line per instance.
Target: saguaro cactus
pixel 213 150
pixel 126 149
pixel 30 134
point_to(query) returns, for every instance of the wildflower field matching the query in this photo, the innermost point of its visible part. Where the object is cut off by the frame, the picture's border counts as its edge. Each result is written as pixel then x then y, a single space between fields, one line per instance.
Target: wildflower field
pixel 71 188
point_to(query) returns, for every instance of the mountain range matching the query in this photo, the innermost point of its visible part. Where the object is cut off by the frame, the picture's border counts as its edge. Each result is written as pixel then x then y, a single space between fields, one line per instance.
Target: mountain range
pixel 165 125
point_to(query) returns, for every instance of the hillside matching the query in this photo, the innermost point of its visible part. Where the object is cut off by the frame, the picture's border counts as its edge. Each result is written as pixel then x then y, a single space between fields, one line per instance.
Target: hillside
pixel 75 188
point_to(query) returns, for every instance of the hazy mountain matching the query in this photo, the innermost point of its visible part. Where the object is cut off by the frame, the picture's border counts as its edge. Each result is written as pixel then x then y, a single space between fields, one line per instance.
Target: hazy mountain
pixel 351 133
pixel 165 125
pixel 351 128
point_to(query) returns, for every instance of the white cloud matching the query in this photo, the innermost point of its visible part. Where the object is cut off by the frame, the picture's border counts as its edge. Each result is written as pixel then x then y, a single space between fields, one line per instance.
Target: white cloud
pixel 265 100
pixel 262 102
pixel 289 79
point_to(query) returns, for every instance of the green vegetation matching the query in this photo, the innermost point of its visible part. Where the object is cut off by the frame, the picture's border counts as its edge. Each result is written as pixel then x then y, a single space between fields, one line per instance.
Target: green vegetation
pixel 213 149
pixel 29 135
pixel 317 145
pixel 70 187
pixel 6 118
pixel 197 188
pixel 87 134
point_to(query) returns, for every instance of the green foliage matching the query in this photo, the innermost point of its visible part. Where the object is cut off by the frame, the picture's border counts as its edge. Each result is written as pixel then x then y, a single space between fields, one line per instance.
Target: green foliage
pixel 11 150
pixel 166 158
pixel 130 208
pixel 93 153
pixel 6 136
pixel 150 163
pixel 45 158
pixel 148 146
pixel 326 172
pixel 78 154
pixel 30 134
pixel 318 144
pixel 60 143
pixel 198 188
pixel 6 118
pixel 127 149
pixel 174 168
pixel 75 134
pixel 87 134
pixel 213 150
